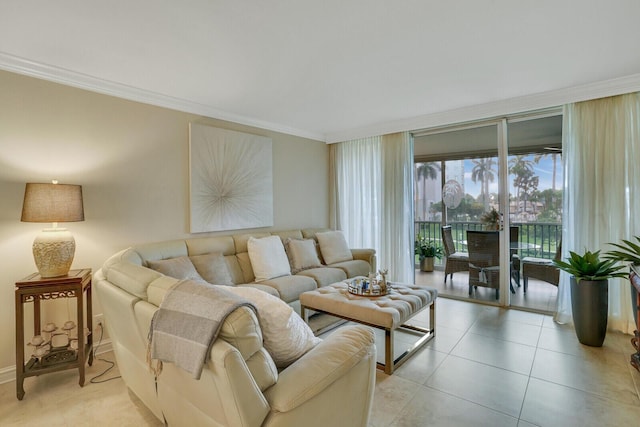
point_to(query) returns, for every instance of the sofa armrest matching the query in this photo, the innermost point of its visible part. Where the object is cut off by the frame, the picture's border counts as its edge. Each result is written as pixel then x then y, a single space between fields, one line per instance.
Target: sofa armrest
pixel 328 362
pixel 225 395
pixel 368 255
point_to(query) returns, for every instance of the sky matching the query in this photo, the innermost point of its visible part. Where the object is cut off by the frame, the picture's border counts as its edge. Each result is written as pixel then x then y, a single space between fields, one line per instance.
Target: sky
pixel 543 169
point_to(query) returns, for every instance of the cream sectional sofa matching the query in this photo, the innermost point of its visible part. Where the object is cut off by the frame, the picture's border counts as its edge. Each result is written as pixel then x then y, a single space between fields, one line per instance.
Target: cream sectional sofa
pixel 235 251
pixel 332 384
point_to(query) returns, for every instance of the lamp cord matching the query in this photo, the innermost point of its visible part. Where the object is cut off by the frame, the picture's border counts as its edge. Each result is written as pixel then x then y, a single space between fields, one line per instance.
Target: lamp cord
pixel 112 364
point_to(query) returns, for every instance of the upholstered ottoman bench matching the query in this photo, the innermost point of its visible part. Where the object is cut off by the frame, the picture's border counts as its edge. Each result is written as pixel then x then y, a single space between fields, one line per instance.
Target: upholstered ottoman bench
pixel 389 313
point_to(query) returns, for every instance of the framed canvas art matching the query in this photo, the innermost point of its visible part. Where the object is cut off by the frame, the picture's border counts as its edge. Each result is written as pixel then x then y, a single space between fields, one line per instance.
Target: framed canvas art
pixel 231 179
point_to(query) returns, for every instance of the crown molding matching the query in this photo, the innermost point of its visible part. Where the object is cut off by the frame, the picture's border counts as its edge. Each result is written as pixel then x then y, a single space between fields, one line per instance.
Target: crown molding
pixel 472 113
pixel 495 109
pixel 63 76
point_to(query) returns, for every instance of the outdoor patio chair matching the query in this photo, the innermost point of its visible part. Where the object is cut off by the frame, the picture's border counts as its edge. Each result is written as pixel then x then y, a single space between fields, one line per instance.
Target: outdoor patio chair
pixel 514 233
pixel 454 261
pixel 541 269
pixel 484 260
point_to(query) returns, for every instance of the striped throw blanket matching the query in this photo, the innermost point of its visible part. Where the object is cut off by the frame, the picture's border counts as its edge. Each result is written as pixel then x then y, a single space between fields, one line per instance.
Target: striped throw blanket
pixel 187 323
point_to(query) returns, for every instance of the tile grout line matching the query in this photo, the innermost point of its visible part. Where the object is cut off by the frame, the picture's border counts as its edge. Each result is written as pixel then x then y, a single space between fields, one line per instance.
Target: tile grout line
pixel 526 390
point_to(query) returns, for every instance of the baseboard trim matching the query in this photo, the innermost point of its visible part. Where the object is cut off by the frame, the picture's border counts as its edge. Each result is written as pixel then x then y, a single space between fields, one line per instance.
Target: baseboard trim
pixel 8 374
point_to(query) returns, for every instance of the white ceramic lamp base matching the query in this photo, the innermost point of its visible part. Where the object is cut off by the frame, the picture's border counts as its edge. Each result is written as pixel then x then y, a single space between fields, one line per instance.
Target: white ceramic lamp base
pixel 53 251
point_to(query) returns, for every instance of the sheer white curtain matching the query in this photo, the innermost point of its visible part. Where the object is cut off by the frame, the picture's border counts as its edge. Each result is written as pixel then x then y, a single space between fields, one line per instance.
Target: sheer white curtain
pixel 356 191
pixel 601 153
pixel 397 203
pixel 372 196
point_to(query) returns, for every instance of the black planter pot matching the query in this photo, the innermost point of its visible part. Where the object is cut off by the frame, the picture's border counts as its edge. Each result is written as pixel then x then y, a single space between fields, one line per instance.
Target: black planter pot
pixel 590 309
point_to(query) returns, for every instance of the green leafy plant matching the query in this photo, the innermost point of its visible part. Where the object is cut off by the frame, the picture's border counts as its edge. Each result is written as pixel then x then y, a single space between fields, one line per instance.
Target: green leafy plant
pixel 491 219
pixel 426 248
pixel 590 267
pixel 628 251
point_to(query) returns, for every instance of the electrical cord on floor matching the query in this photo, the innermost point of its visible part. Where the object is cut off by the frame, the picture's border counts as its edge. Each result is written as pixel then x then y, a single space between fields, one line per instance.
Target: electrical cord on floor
pixel 95 357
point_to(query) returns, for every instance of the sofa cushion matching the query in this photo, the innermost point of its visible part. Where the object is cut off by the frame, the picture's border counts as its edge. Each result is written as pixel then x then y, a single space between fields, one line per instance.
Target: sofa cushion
pixel 207 245
pixel 241 241
pixel 302 254
pixel 265 288
pixel 353 268
pixel 241 329
pixel 286 336
pixel 310 233
pixel 213 268
pixel 158 289
pixel 290 287
pixel 325 275
pixel 180 268
pixel 288 234
pixel 244 265
pixel 132 278
pixel 162 250
pixel 333 246
pixel 268 258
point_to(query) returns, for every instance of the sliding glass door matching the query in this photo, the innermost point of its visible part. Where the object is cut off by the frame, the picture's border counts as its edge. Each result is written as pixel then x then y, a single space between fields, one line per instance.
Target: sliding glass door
pixel 535 177
pixel 458 206
pixel 501 178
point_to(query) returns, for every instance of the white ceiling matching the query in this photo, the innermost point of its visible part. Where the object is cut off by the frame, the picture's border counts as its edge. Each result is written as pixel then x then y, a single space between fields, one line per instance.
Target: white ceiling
pixel 329 69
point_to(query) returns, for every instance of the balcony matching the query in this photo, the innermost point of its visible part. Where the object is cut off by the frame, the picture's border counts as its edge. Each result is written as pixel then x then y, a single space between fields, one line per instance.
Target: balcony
pixel 541 296
pixel 541 235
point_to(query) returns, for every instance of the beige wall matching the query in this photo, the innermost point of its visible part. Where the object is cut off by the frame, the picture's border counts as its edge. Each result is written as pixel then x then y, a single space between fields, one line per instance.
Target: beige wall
pixel 132 161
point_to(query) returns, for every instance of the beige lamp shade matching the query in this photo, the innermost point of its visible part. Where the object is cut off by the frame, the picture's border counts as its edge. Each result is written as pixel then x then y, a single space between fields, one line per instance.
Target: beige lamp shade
pixel 52 203
pixel 54 248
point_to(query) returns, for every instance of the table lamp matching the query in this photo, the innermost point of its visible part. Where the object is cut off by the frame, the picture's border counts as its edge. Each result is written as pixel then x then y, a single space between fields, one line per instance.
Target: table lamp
pixel 53 248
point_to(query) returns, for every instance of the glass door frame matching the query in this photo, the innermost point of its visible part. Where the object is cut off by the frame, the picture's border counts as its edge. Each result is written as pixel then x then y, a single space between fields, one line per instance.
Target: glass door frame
pixel 503 198
pixel 498 149
pixel 502 144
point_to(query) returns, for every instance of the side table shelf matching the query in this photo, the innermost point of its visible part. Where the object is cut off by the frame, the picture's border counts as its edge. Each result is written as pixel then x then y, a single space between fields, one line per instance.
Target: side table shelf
pixel 35 289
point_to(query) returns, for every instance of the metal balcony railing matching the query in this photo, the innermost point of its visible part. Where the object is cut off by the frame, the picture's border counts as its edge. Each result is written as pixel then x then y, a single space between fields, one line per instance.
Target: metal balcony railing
pixel 544 236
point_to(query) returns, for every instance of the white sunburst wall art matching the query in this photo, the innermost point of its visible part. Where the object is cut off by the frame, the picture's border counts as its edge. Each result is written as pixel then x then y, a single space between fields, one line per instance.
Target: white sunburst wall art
pixel 231 179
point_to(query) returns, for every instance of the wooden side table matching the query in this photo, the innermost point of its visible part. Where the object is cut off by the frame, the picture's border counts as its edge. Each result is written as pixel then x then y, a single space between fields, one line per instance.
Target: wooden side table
pixel 34 288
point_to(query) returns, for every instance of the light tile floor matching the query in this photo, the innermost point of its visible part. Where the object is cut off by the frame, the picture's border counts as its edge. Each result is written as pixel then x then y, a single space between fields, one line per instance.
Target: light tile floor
pixel 487 366
pixel 540 296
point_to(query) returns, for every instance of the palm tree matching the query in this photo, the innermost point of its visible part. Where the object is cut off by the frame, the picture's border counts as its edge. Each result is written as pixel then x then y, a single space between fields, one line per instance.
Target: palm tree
pixel 554 157
pixel 484 172
pixel 522 163
pixel 527 184
pixel 522 168
pixel 425 171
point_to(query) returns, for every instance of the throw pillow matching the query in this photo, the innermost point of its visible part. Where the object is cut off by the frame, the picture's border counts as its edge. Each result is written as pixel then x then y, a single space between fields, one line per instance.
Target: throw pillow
pixel 334 247
pixel 286 336
pixel 268 258
pixel 302 254
pixel 179 268
pixel 213 268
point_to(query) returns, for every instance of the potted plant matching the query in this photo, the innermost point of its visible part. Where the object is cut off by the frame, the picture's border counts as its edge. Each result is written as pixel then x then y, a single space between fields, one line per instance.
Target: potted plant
pixel 491 219
pixel 628 252
pixel 590 293
pixel 427 250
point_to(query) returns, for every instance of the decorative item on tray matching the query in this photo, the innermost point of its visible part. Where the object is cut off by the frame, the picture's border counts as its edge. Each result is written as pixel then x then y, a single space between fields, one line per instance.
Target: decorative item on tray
pixel 373 286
